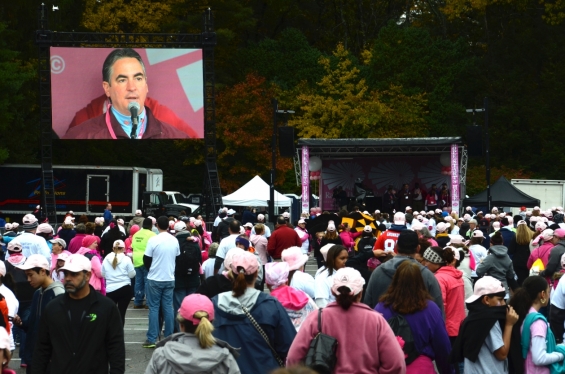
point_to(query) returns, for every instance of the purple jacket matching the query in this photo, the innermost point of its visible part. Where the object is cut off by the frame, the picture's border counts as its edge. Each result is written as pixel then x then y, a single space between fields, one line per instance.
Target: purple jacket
pixel 428 331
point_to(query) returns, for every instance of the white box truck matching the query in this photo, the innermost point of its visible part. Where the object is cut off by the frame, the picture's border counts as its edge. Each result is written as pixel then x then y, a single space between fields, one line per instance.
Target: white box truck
pixel 551 193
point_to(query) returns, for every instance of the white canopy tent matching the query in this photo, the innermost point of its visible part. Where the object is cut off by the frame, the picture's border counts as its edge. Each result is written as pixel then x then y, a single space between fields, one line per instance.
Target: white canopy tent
pixel 255 193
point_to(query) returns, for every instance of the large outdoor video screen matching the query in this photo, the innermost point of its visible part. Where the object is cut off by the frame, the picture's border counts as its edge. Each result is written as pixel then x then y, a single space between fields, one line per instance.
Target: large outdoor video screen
pixel 168 87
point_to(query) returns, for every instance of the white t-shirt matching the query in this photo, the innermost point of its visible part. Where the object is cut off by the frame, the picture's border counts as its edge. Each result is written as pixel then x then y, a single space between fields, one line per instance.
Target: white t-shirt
pixel 163 248
pixel 558 296
pixel 266 234
pixel 32 244
pixel 208 267
pixel 479 253
pixel 304 282
pixel 121 275
pixel 226 244
pixel 323 288
pixel 13 306
pixel 486 361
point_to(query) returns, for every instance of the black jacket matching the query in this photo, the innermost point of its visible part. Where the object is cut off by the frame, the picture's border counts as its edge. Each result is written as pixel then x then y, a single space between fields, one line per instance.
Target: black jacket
pixel 224 227
pixel 101 340
pixel 554 262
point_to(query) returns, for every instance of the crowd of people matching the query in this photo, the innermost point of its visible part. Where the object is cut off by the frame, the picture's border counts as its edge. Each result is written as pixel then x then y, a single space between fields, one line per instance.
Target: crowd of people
pixel 415 292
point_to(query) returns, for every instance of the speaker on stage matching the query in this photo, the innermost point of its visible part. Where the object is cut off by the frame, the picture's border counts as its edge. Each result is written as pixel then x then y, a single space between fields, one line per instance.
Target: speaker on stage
pixel 286 141
pixel 475 141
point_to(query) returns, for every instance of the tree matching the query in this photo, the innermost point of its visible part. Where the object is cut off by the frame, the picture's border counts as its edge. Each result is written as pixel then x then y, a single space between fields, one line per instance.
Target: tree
pixel 244 127
pixel 343 106
pixel 476 177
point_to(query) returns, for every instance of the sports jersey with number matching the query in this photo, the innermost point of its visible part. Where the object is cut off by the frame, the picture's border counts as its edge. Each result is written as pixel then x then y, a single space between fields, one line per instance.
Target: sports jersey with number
pixel 387 241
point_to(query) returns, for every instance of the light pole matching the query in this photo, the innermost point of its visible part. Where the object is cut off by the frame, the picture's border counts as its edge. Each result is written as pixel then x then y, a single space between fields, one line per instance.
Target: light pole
pixel 487 146
pixel 276 111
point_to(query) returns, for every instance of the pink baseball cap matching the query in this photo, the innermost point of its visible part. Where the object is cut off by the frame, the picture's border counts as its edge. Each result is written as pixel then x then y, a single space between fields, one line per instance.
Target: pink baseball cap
pixel 34 261
pixel 45 228
pixel 441 227
pixel 77 263
pixel 456 239
pixel 487 285
pixel 560 233
pixel 294 257
pixel 245 262
pixel 478 234
pixel 399 218
pixel 349 278
pixel 196 303
pixel 119 243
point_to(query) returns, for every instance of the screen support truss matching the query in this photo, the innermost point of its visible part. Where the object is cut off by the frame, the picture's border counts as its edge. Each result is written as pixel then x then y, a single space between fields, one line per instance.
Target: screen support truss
pixel 45 38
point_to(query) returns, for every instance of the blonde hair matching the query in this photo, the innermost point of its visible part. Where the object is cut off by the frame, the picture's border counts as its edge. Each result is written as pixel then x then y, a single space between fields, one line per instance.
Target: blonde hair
pixel 523 235
pixel 203 330
pixel 115 262
pixel 259 229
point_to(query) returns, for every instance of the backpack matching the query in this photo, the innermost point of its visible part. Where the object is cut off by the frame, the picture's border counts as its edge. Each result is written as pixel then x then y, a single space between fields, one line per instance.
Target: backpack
pixel 401 328
pixel 188 262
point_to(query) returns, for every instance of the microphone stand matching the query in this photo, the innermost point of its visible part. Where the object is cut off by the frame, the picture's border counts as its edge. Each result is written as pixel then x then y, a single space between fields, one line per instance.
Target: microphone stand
pixel 134 121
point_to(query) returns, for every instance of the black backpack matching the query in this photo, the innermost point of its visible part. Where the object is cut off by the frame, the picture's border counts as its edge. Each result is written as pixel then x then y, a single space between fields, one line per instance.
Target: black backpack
pixel 401 328
pixel 188 263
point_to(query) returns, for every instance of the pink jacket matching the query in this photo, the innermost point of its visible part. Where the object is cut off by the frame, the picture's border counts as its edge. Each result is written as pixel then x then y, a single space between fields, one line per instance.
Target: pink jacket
pixel 373 348
pixel 96 280
pixel 260 244
pixel 348 238
pixel 54 258
pixel 542 252
pixel 453 294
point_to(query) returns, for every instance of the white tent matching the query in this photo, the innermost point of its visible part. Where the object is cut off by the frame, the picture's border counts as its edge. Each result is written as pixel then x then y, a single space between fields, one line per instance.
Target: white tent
pixel 255 193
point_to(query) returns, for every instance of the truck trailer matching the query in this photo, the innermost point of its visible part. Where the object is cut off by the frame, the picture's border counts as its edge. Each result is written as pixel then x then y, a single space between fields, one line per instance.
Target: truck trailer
pixel 551 193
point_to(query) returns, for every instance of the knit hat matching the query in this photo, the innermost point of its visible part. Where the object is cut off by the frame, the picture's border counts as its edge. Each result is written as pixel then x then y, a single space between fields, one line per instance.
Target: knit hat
pixel 244 242
pixel 276 274
pixel 88 240
pixel 294 257
pixel 487 285
pixel 431 256
pixel 350 278
pixel 133 230
pixel 196 303
pixel 29 222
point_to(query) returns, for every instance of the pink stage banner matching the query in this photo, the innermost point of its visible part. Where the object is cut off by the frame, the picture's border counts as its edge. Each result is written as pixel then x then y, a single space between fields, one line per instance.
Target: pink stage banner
pixel 455 178
pixel 378 173
pixel 305 179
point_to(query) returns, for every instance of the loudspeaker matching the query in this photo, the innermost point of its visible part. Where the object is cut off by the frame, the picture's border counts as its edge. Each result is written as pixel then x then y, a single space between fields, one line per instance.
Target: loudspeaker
pixel 286 141
pixel 475 141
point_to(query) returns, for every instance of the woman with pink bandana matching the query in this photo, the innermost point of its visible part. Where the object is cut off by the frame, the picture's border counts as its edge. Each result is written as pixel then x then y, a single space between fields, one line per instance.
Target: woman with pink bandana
pixel 89 250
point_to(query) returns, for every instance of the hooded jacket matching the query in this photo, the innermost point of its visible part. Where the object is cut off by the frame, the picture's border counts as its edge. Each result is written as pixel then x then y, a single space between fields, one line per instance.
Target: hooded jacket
pixel 96 279
pixel 182 279
pixel 453 293
pixel 137 220
pixel 41 298
pixel 382 278
pixel 182 353
pixel 121 275
pixel 296 303
pixel 497 264
pixel 233 326
pixel 554 263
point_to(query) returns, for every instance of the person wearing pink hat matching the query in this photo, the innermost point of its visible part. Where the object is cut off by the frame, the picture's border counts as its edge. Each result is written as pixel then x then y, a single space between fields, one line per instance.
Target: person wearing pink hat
pixel 366 341
pixel 297 278
pixel 117 270
pixel 80 331
pixel 136 220
pixel 222 281
pixel 554 262
pixel 544 244
pixel 260 242
pixel 484 343
pixel 498 264
pixel 31 243
pixel 76 242
pixel 296 302
pixel 194 349
pixel 235 312
pixel 90 251
pixel 36 269
pixel 128 242
pixel 442 236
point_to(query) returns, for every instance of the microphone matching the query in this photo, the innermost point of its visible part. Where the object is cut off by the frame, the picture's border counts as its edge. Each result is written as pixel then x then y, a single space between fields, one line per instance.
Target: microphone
pixel 133 108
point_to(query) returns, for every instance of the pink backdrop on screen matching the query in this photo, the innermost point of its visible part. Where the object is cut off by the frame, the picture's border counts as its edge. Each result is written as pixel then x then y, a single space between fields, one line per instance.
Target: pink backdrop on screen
pixel 174 78
pixel 378 173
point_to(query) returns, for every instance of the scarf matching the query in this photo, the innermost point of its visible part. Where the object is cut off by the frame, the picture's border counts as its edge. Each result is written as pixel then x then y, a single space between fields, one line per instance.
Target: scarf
pixel 474 331
pixel 557 367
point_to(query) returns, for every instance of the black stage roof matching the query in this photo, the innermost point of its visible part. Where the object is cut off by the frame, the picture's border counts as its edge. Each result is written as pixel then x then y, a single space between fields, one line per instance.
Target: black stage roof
pixel 379 147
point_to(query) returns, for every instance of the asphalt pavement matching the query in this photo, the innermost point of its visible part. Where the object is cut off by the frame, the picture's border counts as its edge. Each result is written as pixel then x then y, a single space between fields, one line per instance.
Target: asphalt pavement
pixel 135 329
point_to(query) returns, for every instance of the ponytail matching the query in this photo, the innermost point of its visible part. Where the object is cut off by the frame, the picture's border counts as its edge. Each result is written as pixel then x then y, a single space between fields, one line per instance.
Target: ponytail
pixel 115 262
pixel 204 330
pixel 345 298
pixel 241 280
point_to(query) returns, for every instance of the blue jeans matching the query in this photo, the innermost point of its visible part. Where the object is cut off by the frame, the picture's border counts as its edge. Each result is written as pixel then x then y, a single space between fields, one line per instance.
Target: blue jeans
pixel 160 297
pixel 178 297
pixel 140 280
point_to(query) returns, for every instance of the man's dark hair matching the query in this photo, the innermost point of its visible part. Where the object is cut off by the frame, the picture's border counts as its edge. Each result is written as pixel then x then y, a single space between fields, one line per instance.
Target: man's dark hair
pixel 281 220
pixel 234 226
pixel 116 55
pixel 407 242
pixel 38 269
pixel 147 223
pixel 504 221
pixel 163 222
pixel 81 228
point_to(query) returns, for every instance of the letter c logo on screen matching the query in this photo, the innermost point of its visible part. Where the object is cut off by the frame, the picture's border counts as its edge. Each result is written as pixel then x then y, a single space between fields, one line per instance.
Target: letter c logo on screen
pixel 57 64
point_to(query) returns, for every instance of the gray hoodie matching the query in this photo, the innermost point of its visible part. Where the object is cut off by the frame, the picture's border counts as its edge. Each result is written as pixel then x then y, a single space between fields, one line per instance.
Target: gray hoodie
pixel 232 305
pixel 181 353
pixel 382 278
pixel 497 264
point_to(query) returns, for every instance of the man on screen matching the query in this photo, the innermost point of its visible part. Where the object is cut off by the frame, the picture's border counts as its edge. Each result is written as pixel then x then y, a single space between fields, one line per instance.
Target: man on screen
pixel 124 81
